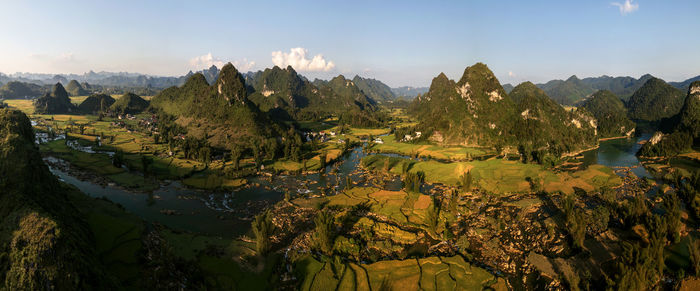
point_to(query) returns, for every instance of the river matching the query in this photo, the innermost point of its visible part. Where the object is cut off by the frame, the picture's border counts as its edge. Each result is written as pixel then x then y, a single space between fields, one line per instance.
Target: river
pixel 619 153
pixel 228 213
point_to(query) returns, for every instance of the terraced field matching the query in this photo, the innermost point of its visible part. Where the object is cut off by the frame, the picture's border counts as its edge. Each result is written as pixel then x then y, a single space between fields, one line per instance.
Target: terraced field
pixel 431 273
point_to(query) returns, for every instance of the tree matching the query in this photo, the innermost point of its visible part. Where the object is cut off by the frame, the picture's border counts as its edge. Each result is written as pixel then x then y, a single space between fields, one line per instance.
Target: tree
pixel 466 181
pixel 324 235
pixel 118 159
pixel 432 216
pixel 413 181
pixel 257 155
pixel 236 154
pixel 599 222
pixel 673 217
pixel 205 155
pixel 262 229
pixel 348 183
pixel 577 224
pixel 694 252
pixel 146 163
pixel 322 161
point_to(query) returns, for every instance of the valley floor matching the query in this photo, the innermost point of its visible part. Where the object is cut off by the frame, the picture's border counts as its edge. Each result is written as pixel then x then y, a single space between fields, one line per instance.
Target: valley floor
pixel 475 220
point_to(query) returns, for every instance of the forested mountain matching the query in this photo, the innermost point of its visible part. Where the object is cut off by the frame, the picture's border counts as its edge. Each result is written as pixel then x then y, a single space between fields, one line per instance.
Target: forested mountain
pixel 567 92
pixel 573 90
pixel 408 91
pixel 96 103
pixel 684 85
pixel 210 74
pixel 544 124
pixel 622 87
pixel 45 243
pixel 288 96
pixel 20 90
pixel 56 102
pixel 75 89
pixel 221 113
pixel 689 120
pixel 684 128
pixel 654 101
pixel 350 94
pixel 473 111
pixel 610 113
pixel 508 87
pixel 477 111
pixel 129 103
pixel 375 89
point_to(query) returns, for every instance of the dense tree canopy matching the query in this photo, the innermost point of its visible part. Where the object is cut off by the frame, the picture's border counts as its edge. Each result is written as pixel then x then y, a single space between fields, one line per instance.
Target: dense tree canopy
pixel 610 113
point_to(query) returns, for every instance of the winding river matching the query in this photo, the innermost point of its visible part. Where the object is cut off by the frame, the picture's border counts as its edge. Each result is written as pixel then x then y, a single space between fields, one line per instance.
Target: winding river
pixel 228 214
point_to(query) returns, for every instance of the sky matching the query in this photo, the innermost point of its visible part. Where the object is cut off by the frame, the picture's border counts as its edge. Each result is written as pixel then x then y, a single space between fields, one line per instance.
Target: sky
pixel 402 43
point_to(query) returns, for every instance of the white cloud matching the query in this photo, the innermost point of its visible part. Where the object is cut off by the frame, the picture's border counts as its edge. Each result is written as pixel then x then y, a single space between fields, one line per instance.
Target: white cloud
pixel 627 7
pixel 206 61
pixel 244 65
pixel 297 59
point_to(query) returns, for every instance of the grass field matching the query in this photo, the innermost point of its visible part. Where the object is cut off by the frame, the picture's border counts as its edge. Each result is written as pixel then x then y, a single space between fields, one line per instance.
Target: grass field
pixel 390 145
pixel 497 175
pixel 23 105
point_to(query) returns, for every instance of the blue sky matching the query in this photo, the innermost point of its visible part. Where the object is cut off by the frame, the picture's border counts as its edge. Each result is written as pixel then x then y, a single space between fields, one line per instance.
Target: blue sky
pixel 398 42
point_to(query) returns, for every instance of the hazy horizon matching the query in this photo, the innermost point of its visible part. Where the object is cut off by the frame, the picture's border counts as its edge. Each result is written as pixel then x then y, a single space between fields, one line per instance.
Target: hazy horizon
pixel 401 44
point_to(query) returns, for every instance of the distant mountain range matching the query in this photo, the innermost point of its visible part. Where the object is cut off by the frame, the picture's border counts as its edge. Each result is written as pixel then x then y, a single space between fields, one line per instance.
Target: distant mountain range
pixel 574 90
pixel 409 92
pixel 571 91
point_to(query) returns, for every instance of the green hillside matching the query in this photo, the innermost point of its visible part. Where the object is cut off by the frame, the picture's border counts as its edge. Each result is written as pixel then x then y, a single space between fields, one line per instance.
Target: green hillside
pixel 221 113
pixel 96 103
pixel 610 114
pixel 129 103
pixel 19 90
pixel 375 89
pixel 56 102
pixel 75 89
pixel 654 101
pixel 44 242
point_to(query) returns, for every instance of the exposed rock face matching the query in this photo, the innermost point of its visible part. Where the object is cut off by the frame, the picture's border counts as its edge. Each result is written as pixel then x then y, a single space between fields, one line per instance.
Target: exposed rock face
pixel 695 90
pixel 656 138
